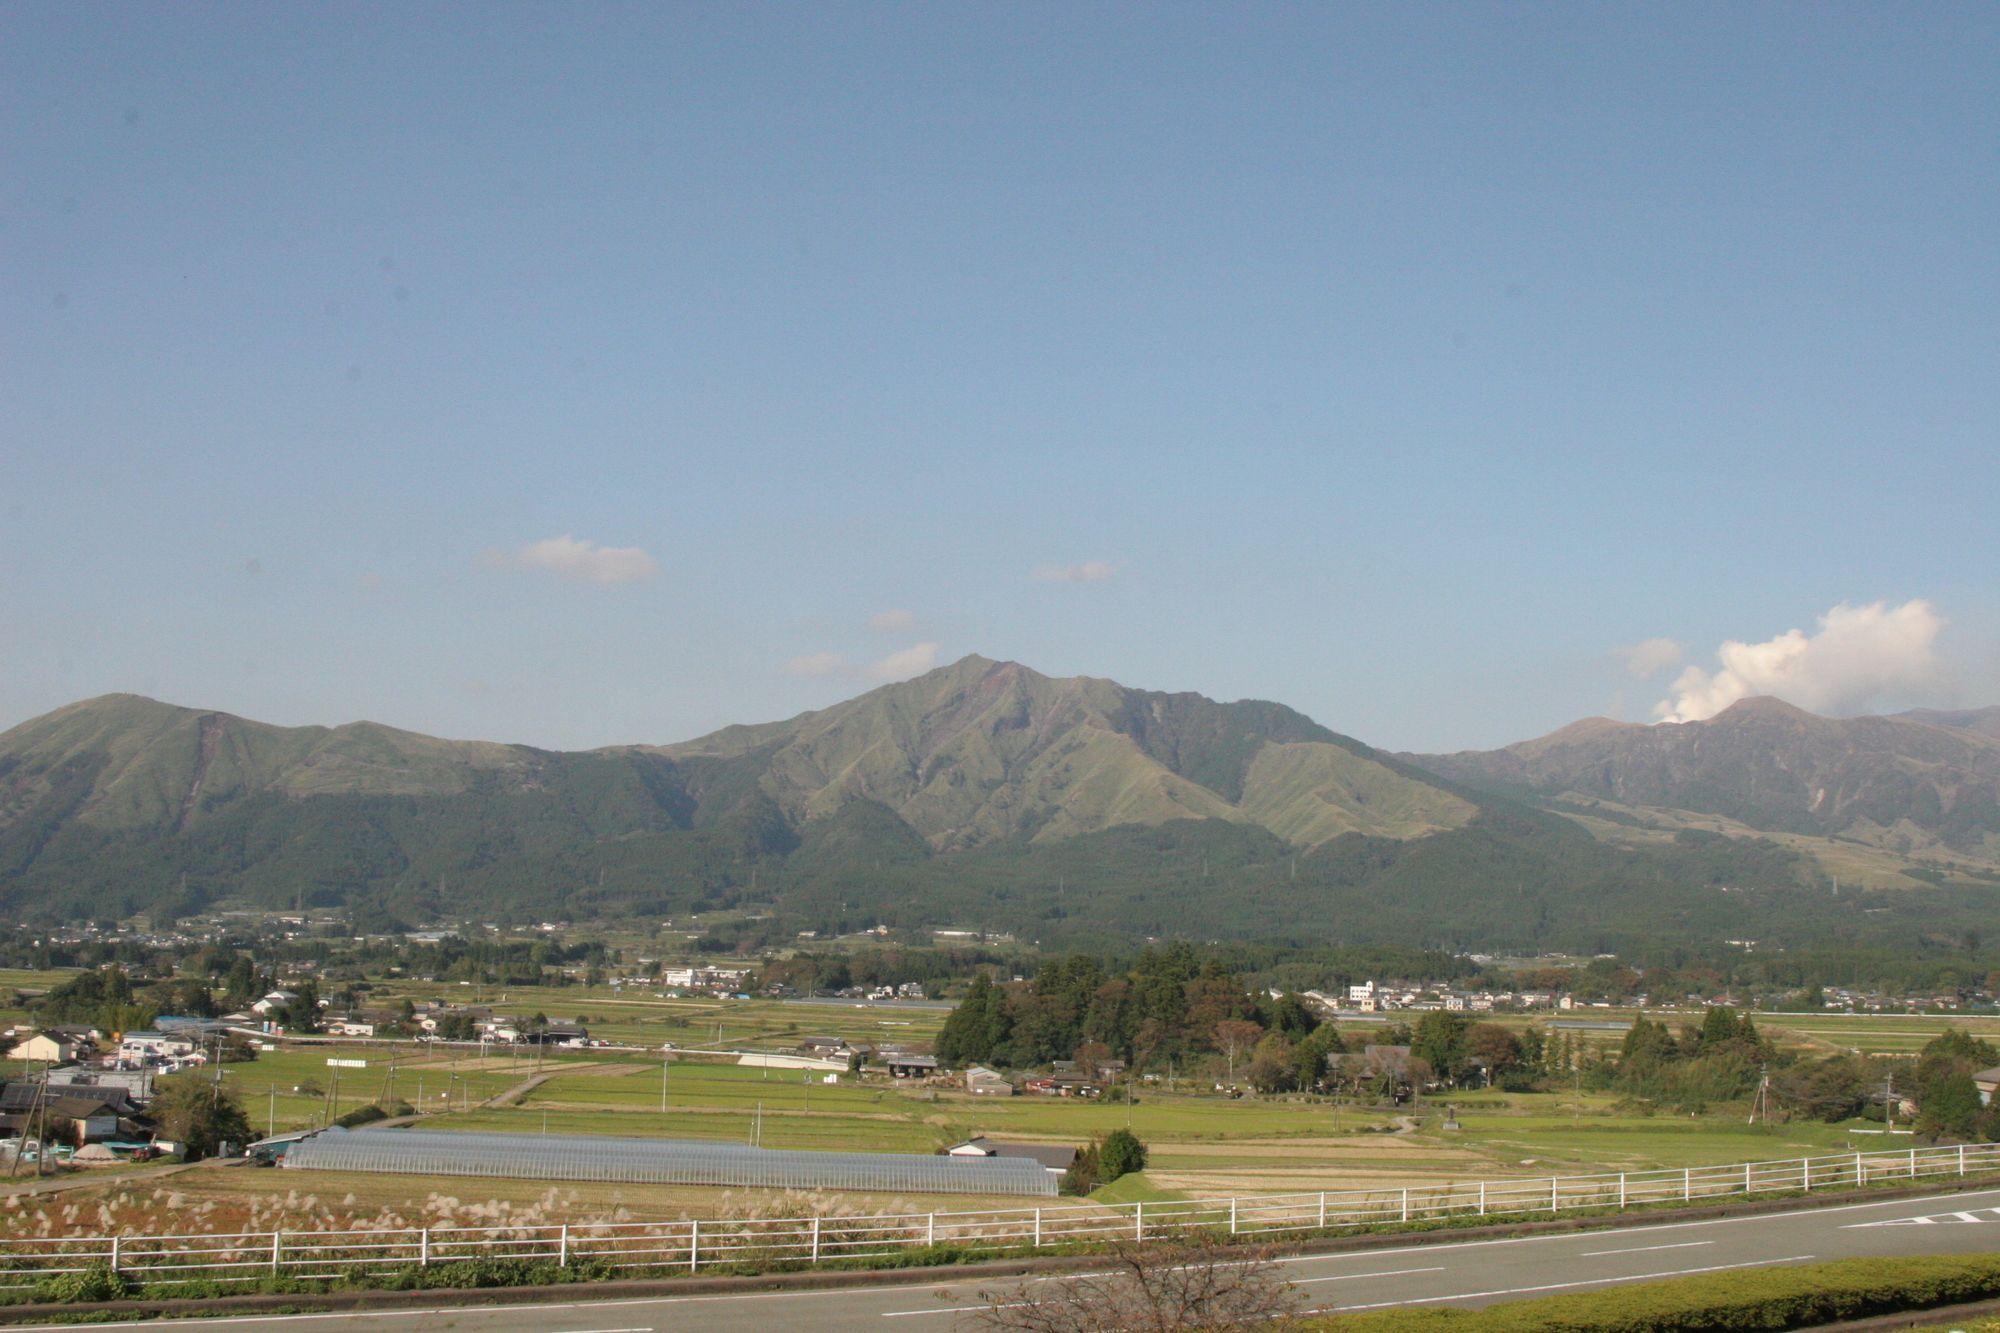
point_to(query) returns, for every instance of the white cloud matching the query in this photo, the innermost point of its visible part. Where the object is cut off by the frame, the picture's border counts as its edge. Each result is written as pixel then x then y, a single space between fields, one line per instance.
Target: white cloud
pixel 816 664
pixel 1090 571
pixel 884 622
pixel 574 558
pixel 1858 653
pixel 1649 657
pixel 901 665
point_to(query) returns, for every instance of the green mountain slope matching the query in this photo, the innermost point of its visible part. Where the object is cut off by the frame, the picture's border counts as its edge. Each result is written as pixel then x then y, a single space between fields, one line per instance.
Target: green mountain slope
pixel 1913 785
pixel 983 751
pixel 143 801
pixel 987 795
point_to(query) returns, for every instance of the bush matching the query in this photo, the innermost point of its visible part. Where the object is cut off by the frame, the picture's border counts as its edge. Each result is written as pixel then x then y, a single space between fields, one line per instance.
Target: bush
pixel 362 1115
pixel 497 1273
pixel 96 1283
pixel 1082 1176
pixel 1120 1154
pixel 1803 1297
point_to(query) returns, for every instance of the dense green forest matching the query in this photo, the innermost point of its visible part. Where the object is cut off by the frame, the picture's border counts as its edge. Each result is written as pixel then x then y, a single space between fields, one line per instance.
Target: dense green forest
pixel 1514 878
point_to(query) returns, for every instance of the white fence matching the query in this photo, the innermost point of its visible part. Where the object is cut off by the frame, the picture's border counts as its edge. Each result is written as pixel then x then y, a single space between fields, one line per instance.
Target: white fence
pixel 654 1248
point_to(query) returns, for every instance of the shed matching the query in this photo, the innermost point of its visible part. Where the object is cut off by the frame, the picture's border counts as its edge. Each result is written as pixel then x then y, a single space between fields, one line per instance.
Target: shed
pixel 983 1082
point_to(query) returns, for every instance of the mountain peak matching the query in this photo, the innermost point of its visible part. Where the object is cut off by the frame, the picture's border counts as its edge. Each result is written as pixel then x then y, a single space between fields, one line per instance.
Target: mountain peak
pixel 1766 707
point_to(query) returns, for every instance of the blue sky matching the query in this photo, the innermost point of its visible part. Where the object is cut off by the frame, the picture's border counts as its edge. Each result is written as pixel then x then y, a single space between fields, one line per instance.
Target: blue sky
pixel 587 373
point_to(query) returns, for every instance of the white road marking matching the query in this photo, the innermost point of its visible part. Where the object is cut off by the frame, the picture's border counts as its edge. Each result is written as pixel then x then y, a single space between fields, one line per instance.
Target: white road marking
pixel 1932 1219
pixel 1641 1249
pixel 1565 1286
pixel 1349 1277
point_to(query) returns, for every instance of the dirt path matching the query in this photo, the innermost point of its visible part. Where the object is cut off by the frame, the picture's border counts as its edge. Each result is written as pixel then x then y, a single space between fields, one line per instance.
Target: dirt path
pixel 27 1185
pixel 516 1093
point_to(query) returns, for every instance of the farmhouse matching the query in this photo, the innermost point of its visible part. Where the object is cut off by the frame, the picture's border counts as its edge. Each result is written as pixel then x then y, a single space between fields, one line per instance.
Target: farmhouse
pixel 983 1082
pixel 165 1044
pixel 1054 1158
pixel 46 1046
pixel 912 1066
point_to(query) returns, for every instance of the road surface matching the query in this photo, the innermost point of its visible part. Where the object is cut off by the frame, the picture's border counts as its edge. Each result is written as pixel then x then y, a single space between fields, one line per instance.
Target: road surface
pixel 1463 1273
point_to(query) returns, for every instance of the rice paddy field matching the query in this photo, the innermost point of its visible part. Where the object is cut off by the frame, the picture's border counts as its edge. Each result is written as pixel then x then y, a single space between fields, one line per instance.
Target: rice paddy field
pixel 1202 1143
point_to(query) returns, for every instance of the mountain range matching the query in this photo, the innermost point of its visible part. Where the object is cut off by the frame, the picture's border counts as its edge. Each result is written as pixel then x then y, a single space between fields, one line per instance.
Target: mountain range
pixel 987 795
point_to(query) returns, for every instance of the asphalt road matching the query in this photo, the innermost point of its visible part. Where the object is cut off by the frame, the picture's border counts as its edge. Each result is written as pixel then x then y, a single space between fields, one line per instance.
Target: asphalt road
pixel 1463 1273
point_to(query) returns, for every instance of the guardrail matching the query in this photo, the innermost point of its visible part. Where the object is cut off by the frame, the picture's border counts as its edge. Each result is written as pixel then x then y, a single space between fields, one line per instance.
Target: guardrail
pixel 690 1246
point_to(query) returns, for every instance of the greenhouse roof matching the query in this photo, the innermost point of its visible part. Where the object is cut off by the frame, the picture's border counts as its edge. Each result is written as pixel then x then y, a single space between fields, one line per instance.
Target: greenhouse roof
pixel 660 1162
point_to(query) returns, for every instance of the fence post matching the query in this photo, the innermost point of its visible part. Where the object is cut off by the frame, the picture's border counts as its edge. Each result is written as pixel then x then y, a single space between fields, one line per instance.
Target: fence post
pixel 1552 1194
pixel 277 1248
pixel 694 1246
pixel 1805 1172
pixel 815 1256
pixel 1913 1164
pixel 114 1239
pixel 1322 1196
pixel 1482 1198
pixel 1687 1184
pixel 1860 1171
pixel 1746 1178
pixel 562 1246
pixel 1406 1203
pixel 1621 1191
pixel 1961 1163
pixel 424 1248
pixel 1139 1220
pixel 930 1229
pixel 1038 1228
pixel 1232 1214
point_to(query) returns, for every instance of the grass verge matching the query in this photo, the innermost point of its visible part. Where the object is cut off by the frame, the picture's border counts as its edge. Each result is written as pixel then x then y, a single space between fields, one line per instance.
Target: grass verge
pixel 1773 1298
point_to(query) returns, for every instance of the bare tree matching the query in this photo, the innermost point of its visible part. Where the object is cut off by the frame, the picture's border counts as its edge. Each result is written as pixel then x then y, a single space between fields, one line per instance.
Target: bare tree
pixel 1186 1281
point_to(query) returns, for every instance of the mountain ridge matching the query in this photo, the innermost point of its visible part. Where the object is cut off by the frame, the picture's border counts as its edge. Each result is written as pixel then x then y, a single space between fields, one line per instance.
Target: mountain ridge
pixel 1903 782
pixel 986 793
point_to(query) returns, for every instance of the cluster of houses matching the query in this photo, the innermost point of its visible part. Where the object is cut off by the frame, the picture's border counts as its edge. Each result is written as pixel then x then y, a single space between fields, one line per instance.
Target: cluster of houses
pixel 1370 997
pixel 705 980
pixel 175 1044
pixel 88 1094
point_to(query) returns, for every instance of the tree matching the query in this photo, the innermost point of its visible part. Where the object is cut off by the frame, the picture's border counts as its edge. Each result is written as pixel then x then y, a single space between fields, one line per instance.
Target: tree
pixel 1292 1016
pixel 1120 1154
pixel 1233 1036
pixel 977 1028
pixel 1309 1057
pixel 1949 1109
pixel 239 986
pixel 200 1116
pixel 1081 1178
pixel 1439 1042
pixel 301 1013
pixel 1495 1047
pixel 1183 1282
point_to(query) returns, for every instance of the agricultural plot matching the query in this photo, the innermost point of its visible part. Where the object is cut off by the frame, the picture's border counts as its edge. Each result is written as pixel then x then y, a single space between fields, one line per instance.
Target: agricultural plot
pixel 241 1199
pixel 297 1089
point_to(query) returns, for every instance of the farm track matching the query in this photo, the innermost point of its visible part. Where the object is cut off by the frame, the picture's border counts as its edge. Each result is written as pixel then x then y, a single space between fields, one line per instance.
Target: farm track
pixel 86 1179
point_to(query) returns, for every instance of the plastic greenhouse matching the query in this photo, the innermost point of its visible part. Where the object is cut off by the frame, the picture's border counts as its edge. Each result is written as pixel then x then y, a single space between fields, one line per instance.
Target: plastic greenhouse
pixel 660 1162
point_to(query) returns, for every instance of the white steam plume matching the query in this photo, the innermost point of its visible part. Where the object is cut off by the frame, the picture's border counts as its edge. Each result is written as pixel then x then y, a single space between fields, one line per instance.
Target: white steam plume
pixel 1858 654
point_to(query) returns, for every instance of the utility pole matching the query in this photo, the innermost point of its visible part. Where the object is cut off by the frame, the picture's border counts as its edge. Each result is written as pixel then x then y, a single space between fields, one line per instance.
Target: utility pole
pixel 271 1115
pixel 666 1061
pixel 1889 1104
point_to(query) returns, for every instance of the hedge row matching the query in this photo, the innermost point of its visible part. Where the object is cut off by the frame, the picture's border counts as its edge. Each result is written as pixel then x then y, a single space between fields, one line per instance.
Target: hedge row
pixel 1765 1298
